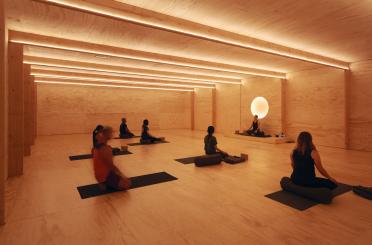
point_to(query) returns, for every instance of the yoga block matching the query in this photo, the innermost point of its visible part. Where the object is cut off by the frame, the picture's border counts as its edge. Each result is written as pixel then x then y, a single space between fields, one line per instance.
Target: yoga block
pixel 321 195
pixel 208 160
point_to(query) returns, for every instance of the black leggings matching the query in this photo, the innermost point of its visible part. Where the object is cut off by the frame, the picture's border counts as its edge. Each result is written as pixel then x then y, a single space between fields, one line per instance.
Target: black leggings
pixel 319 183
pixel 150 139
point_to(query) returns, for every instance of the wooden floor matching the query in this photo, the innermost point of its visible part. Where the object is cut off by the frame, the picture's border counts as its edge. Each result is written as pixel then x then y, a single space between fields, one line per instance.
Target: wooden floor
pixel 216 205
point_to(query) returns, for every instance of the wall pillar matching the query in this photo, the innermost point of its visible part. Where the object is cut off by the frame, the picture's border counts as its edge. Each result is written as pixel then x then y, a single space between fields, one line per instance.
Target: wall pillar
pixel 27 113
pixel 15 109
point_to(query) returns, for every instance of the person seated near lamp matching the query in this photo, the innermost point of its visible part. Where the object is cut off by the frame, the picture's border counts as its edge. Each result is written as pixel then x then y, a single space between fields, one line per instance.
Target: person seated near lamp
pixel 255 130
pixel 146 136
pixel 124 130
pixel 105 172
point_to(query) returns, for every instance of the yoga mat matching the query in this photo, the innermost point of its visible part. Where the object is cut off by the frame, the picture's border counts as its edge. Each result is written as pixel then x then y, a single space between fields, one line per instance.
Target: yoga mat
pixel 246 134
pixel 118 138
pixel 187 160
pixel 302 203
pixel 93 190
pixel 90 156
pixel 156 142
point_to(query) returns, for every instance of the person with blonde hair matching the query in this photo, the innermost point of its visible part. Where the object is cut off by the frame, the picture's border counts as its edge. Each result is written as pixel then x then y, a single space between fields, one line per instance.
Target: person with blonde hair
pixel 106 173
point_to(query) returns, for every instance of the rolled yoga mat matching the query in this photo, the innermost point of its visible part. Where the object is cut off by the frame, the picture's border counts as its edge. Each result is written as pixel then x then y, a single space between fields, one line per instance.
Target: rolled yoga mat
pixel 187 160
pixel 118 138
pixel 90 156
pixel 93 190
pixel 302 198
pixel 362 191
pixel 139 143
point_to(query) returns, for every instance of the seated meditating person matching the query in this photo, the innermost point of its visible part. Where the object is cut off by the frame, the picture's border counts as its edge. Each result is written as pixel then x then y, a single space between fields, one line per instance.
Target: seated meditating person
pixel 96 134
pixel 146 136
pixel 106 173
pixel 210 147
pixel 255 130
pixel 304 159
pixel 124 131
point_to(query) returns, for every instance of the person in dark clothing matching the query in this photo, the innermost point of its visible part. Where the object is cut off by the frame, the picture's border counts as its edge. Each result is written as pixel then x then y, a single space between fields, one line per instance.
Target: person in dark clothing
pixel 146 136
pixel 255 130
pixel 210 147
pixel 304 159
pixel 124 131
pixel 96 132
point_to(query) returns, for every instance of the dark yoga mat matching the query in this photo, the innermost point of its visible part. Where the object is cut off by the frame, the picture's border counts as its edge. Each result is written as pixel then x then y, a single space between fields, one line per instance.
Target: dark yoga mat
pixel 246 134
pixel 118 138
pixel 156 142
pixel 302 203
pixel 90 156
pixel 93 190
pixel 187 160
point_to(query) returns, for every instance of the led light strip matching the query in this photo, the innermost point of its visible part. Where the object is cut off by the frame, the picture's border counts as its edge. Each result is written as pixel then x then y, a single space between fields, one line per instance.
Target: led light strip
pixel 117 72
pixel 114 86
pixel 38 75
pixel 198 34
pixel 61 47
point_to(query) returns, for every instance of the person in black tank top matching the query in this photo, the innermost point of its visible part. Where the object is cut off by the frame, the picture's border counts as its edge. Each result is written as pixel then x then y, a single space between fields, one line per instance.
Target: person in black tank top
pixel 124 130
pixel 254 130
pixel 304 159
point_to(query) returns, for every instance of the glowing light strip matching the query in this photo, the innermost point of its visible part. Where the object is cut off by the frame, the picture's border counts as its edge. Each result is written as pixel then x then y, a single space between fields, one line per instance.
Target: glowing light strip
pixel 114 86
pixel 199 34
pixel 117 72
pixel 120 81
pixel 61 47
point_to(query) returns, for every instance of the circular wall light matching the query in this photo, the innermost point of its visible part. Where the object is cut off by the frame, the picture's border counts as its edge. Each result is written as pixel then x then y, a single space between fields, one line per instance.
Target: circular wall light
pixel 260 107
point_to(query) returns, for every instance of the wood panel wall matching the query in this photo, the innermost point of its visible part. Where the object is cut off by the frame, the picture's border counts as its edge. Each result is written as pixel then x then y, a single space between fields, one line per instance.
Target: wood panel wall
pixel 271 90
pixel 3 113
pixel 69 109
pixel 15 110
pixel 227 108
pixel 315 102
pixel 360 106
pixel 203 108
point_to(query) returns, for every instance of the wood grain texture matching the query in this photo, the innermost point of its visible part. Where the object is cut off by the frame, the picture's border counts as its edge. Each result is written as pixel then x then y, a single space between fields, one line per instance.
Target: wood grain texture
pixel 220 205
pixel 270 89
pixel 64 109
pixel 160 21
pixel 203 108
pixel 360 107
pixel 72 24
pixel 15 110
pixel 335 29
pixel 27 105
pixel 227 108
pixel 3 112
pixel 315 102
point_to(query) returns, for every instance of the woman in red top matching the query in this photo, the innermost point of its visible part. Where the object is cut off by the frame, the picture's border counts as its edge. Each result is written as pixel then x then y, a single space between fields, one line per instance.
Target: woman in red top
pixel 105 171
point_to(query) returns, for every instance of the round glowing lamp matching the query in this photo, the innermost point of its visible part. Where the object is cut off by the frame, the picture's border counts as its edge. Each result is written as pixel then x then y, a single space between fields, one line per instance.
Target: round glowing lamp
pixel 260 107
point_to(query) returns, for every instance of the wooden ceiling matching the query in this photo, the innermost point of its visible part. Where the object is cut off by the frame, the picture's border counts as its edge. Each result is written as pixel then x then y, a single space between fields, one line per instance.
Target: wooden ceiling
pixel 193 39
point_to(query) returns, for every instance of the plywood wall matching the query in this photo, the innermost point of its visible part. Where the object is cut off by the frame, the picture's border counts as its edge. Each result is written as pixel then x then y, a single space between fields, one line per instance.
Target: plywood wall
pixel 360 106
pixel 271 90
pixel 203 108
pixel 3 113
pixel 66 109
pixel 227 108
pixel 315 102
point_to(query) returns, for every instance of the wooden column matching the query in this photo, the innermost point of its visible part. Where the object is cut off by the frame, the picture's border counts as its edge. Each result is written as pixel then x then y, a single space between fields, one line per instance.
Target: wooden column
pixel 214 108
pixel 27 113
pixel 192 98
pixel 3 113
pixel 347 108
pixel 33 110
pixel 15 109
